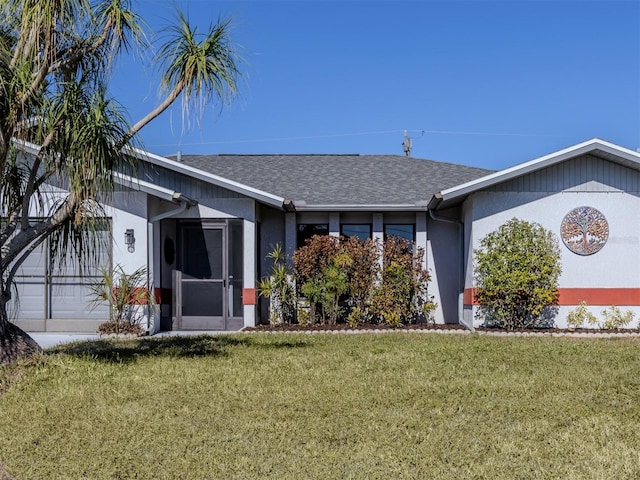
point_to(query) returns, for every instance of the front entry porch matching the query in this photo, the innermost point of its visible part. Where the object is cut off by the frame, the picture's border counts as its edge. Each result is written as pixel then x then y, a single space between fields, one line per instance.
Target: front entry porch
pixel 207 278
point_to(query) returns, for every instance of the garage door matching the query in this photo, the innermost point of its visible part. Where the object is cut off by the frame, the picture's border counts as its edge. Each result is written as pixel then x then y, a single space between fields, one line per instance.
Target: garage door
pixel 50 298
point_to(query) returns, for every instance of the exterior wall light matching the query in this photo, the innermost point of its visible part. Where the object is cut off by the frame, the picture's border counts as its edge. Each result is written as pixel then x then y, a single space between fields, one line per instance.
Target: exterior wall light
pixel 130 240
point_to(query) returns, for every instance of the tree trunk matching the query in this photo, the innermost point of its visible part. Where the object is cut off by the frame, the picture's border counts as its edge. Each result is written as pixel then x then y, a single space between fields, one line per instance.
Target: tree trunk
pixel 15 343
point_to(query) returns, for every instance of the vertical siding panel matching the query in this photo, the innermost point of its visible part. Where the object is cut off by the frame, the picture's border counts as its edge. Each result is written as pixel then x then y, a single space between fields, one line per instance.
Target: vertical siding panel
pixel 569 166
pixel 627 178
pixel 615 176
pixel 589 167
pixel 556 175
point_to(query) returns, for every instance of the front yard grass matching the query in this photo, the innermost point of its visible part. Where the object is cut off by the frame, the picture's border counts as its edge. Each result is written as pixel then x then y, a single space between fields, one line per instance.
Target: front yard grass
pixel 326 406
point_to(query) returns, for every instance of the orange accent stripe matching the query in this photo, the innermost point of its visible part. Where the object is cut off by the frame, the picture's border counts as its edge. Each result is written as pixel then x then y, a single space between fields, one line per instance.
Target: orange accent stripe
pixel 600 296
pixel 573 296
pixel 249 296
pixel 469 296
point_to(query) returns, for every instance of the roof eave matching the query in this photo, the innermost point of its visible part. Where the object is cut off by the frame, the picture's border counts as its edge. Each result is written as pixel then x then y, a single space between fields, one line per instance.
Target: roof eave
pixel 256 194
pixel 595 144
pixel 301 206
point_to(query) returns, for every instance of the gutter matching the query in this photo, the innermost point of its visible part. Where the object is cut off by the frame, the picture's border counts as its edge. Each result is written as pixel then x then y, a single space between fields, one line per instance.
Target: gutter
pixel 435 202
pixel 183 203
pixel 302 206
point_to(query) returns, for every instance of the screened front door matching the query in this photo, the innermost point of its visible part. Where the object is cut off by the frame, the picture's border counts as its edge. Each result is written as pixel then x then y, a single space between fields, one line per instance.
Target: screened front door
pixel 204 281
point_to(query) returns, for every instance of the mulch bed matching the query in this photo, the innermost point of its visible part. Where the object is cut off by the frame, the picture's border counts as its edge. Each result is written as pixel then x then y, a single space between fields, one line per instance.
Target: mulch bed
pixel 287 327
pixel 316 327
pixel 292 327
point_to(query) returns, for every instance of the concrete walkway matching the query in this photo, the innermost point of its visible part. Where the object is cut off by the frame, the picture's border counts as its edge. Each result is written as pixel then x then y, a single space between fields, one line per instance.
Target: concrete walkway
pixel 48 340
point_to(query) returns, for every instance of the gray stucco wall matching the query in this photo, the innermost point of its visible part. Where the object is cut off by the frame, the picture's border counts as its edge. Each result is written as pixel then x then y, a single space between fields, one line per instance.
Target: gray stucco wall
pixel 444 263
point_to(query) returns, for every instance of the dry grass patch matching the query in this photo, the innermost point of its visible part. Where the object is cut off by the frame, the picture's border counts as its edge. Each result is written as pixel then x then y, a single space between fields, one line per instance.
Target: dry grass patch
pixel 328 406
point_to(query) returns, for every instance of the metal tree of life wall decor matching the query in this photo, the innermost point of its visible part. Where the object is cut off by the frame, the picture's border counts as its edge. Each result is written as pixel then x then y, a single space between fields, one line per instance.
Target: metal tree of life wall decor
pixel 584 230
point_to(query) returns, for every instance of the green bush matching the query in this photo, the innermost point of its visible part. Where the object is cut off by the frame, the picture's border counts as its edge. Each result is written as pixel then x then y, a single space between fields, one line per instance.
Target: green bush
pixel 577 317
pixel 614 318
pixel 361 270
pixel 278 288
pixel 402 293
pixel 338 275
pixel 128 296
pixel 516 275
pixel 356 317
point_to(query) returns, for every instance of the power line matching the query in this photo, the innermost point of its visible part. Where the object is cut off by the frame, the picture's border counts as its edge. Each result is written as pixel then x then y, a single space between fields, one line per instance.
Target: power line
pixel 356 134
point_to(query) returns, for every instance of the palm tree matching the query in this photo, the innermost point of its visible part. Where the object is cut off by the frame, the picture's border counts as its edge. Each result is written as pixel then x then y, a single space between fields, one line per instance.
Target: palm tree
pixel 56 58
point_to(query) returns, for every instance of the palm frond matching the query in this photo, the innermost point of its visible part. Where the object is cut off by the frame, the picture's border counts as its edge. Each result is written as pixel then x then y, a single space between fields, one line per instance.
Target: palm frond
pixel 204 66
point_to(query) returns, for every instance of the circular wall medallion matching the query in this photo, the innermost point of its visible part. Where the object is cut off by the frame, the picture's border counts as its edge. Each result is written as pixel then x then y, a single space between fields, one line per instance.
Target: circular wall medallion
pixel 584 230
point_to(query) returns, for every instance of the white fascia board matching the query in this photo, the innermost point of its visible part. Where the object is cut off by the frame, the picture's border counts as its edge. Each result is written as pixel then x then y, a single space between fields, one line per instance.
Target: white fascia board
pixel 237 187
pixel 538 163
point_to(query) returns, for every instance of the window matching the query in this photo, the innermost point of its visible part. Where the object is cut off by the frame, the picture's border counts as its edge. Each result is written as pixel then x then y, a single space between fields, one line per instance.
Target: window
pixel 308 230
pixel 406 231
pixel 360 231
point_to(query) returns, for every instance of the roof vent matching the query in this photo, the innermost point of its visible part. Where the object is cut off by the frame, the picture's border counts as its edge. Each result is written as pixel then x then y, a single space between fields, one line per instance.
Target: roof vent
pixel 179 156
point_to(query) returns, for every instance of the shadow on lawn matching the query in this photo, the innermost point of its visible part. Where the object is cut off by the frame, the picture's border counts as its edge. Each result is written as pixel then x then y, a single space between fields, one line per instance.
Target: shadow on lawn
pixel 126 351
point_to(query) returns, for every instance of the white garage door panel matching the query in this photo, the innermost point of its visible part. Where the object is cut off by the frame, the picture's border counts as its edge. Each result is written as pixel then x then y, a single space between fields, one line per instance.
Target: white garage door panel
pixel 29 300
pixel 57 297
pixel 70 299
pixel 34 264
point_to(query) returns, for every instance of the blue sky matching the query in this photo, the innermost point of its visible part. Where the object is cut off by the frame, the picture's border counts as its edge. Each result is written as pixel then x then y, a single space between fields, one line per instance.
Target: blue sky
pixel 483 83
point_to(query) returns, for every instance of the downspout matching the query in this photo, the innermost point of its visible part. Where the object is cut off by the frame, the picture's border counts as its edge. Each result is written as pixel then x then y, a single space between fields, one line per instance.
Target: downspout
pixel 460 225
pixel 183 204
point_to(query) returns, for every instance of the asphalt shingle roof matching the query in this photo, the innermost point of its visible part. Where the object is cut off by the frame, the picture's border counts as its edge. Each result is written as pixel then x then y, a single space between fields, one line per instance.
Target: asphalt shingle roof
pixel 339 179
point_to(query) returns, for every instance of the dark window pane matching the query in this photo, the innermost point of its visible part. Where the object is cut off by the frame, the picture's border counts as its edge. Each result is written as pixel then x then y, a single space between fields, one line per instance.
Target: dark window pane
pixel 308 230
pixel 362 232
pixel 403 231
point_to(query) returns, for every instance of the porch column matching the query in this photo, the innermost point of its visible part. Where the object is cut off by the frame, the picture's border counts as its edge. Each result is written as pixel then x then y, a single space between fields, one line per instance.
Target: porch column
pixel 249 294
pixel 377 229
pixel 421 235
pixel 290 235
pixel 334 224
pixel 377 233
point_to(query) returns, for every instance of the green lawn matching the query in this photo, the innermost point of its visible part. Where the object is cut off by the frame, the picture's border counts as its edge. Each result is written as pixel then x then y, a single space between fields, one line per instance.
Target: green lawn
pixel 327 406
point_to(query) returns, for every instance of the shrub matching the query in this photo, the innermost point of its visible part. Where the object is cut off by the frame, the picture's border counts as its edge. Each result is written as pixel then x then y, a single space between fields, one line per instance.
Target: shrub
pixel 278 288
pixel 302 314
pixel 356 317
pixel 336 273
pixel 516 274
pixel 126 294
pixel 402 292
pixel 577 317
pixel 361 270
pixel 614 318
pixel 310 260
